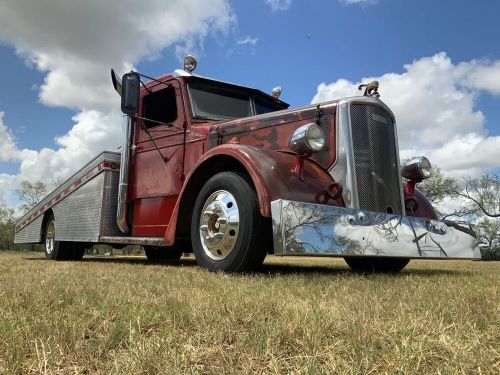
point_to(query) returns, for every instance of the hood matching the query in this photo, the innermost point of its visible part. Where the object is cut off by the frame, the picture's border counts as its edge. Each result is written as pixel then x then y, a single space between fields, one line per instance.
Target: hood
pixel 247 124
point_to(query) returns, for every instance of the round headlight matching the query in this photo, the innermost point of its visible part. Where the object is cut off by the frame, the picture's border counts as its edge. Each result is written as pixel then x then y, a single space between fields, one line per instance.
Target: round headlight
pixel 308 138
pixel 417 170
pixel 425 167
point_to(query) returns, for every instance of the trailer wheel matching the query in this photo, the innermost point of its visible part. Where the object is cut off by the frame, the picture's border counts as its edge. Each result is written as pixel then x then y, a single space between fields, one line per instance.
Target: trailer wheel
pixel 61 250
pixel 376 264
pixel 156 253
pixel 227 231
pixel 52 246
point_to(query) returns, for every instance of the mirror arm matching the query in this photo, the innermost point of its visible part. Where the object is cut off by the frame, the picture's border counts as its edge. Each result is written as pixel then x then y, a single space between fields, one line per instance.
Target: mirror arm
pixel 148 77
pixel 147 88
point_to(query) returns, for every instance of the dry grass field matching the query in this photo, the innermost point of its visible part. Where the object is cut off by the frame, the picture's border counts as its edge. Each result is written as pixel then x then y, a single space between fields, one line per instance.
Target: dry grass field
pixel 299 315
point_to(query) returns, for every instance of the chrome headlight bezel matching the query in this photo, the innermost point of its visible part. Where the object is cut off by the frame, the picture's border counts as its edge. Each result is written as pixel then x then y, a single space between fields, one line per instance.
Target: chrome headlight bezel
pixel 307 139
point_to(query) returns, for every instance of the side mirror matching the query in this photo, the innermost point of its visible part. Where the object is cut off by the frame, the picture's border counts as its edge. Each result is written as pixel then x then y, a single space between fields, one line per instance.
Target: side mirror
pixel 130 93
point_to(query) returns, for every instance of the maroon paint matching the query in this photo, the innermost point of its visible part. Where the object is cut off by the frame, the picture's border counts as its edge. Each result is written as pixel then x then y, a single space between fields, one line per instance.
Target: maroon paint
pixel 273 175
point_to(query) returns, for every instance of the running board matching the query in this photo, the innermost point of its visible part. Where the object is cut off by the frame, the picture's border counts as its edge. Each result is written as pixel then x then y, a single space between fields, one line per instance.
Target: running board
pixel 151 241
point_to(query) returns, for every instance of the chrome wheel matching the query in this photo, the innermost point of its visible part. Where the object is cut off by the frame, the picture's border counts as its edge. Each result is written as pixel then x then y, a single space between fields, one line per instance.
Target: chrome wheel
pixel 219 224
pixel 50 237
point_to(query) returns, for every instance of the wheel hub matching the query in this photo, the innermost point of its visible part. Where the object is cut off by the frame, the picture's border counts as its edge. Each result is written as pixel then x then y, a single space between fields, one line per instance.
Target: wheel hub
pixel 219 224
pixel 49 237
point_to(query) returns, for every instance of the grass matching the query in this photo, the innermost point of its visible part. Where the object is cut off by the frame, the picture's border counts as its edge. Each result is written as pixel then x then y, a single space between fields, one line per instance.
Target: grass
pixel 299 315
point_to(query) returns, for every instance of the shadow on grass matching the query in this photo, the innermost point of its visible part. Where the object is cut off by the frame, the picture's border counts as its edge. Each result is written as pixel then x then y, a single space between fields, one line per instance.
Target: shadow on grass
pixel 288 269
pixel 271 269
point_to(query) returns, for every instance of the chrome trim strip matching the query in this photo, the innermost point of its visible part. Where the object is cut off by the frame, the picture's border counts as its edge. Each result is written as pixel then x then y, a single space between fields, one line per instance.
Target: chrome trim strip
pixel 311 229
pixel 153 241
pixel 343 170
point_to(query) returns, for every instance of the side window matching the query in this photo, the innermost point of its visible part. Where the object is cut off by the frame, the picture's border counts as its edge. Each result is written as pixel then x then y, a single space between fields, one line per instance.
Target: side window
pixel 160 107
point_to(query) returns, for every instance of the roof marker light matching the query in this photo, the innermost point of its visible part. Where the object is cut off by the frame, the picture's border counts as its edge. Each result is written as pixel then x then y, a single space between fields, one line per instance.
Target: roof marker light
pixel 190 63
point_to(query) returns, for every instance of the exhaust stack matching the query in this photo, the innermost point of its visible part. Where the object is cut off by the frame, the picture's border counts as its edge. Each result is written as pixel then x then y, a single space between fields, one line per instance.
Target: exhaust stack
pixel 121 209
pixel 128 88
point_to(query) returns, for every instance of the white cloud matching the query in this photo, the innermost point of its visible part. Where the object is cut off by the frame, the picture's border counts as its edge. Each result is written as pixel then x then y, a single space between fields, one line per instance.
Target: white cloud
pixel 277 5
pixel 248 40
pixel 93 132
pixel 434 102
pixel 7 194
pixel 76 44
pixel 8 149
pixel 482 75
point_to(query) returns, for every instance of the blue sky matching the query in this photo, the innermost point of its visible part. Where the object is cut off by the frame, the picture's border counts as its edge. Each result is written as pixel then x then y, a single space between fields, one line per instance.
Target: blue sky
pixel 438 64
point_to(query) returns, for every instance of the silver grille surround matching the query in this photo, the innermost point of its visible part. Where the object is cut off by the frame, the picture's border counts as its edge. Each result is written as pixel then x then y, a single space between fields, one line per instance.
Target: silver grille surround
pixel 344 168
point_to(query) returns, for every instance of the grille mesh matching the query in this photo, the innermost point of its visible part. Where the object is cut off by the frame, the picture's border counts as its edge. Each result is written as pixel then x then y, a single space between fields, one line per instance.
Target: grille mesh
pixel 375 159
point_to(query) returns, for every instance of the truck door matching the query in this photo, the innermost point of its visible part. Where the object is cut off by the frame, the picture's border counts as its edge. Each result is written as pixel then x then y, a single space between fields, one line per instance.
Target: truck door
pixel 157 159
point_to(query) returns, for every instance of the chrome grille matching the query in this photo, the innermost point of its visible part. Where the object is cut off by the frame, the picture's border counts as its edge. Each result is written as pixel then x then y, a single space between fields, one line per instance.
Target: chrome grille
pixel 375 159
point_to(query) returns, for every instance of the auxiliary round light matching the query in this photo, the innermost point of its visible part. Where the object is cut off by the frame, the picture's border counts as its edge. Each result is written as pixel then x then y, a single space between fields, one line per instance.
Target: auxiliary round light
pixel 308 138
pixel 190 63
pixel 417 169
pixel 425 167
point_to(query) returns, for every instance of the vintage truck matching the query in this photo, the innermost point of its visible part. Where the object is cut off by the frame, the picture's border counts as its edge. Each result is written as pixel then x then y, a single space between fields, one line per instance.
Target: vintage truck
pixel 231 174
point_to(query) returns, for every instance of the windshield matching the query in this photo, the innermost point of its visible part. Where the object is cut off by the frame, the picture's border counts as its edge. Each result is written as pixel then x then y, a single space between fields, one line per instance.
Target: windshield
pixel 214 102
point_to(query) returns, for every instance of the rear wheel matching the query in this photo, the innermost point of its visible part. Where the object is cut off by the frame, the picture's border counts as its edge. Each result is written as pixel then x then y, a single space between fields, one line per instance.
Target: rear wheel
pixel 227 231
pixel 156 253
pixel 379 264
pixel 61 250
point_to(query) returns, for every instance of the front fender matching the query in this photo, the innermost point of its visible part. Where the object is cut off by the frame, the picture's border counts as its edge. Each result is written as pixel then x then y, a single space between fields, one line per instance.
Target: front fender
pixel 273 173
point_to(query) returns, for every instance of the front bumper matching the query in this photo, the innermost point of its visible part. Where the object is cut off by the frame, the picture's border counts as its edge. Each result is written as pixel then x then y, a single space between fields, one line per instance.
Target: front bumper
pixel 312 229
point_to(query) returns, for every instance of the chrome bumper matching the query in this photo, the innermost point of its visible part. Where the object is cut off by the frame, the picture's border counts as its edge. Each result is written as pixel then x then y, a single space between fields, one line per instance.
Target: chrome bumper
pixel 311 229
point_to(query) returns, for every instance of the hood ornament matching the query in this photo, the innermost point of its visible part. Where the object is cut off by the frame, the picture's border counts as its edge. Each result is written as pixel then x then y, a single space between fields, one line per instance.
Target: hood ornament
pixel 371 89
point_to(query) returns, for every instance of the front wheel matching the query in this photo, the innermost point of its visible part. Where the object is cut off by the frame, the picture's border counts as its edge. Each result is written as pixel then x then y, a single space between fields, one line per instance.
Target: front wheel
pixel 227 231
pixel 376 264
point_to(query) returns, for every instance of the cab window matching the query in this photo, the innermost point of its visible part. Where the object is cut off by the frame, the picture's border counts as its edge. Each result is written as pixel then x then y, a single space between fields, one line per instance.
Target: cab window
pixel 159 107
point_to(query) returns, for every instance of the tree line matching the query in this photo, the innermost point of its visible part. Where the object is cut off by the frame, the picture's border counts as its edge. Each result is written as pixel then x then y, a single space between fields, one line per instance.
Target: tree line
pixel 30 194
pixel 470 202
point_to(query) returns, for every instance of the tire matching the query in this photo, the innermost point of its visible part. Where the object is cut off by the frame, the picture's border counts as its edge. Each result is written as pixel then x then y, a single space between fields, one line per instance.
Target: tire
pixel 61 250
pixel 156 253
pixel 379 264
pixel 227 231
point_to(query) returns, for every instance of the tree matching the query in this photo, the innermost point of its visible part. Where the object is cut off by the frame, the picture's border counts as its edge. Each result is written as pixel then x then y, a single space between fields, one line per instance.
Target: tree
pixel 7 224
pixel 438 187
pixel 483 193
pixel 31 194
pixel 488 232
pixel 488 235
